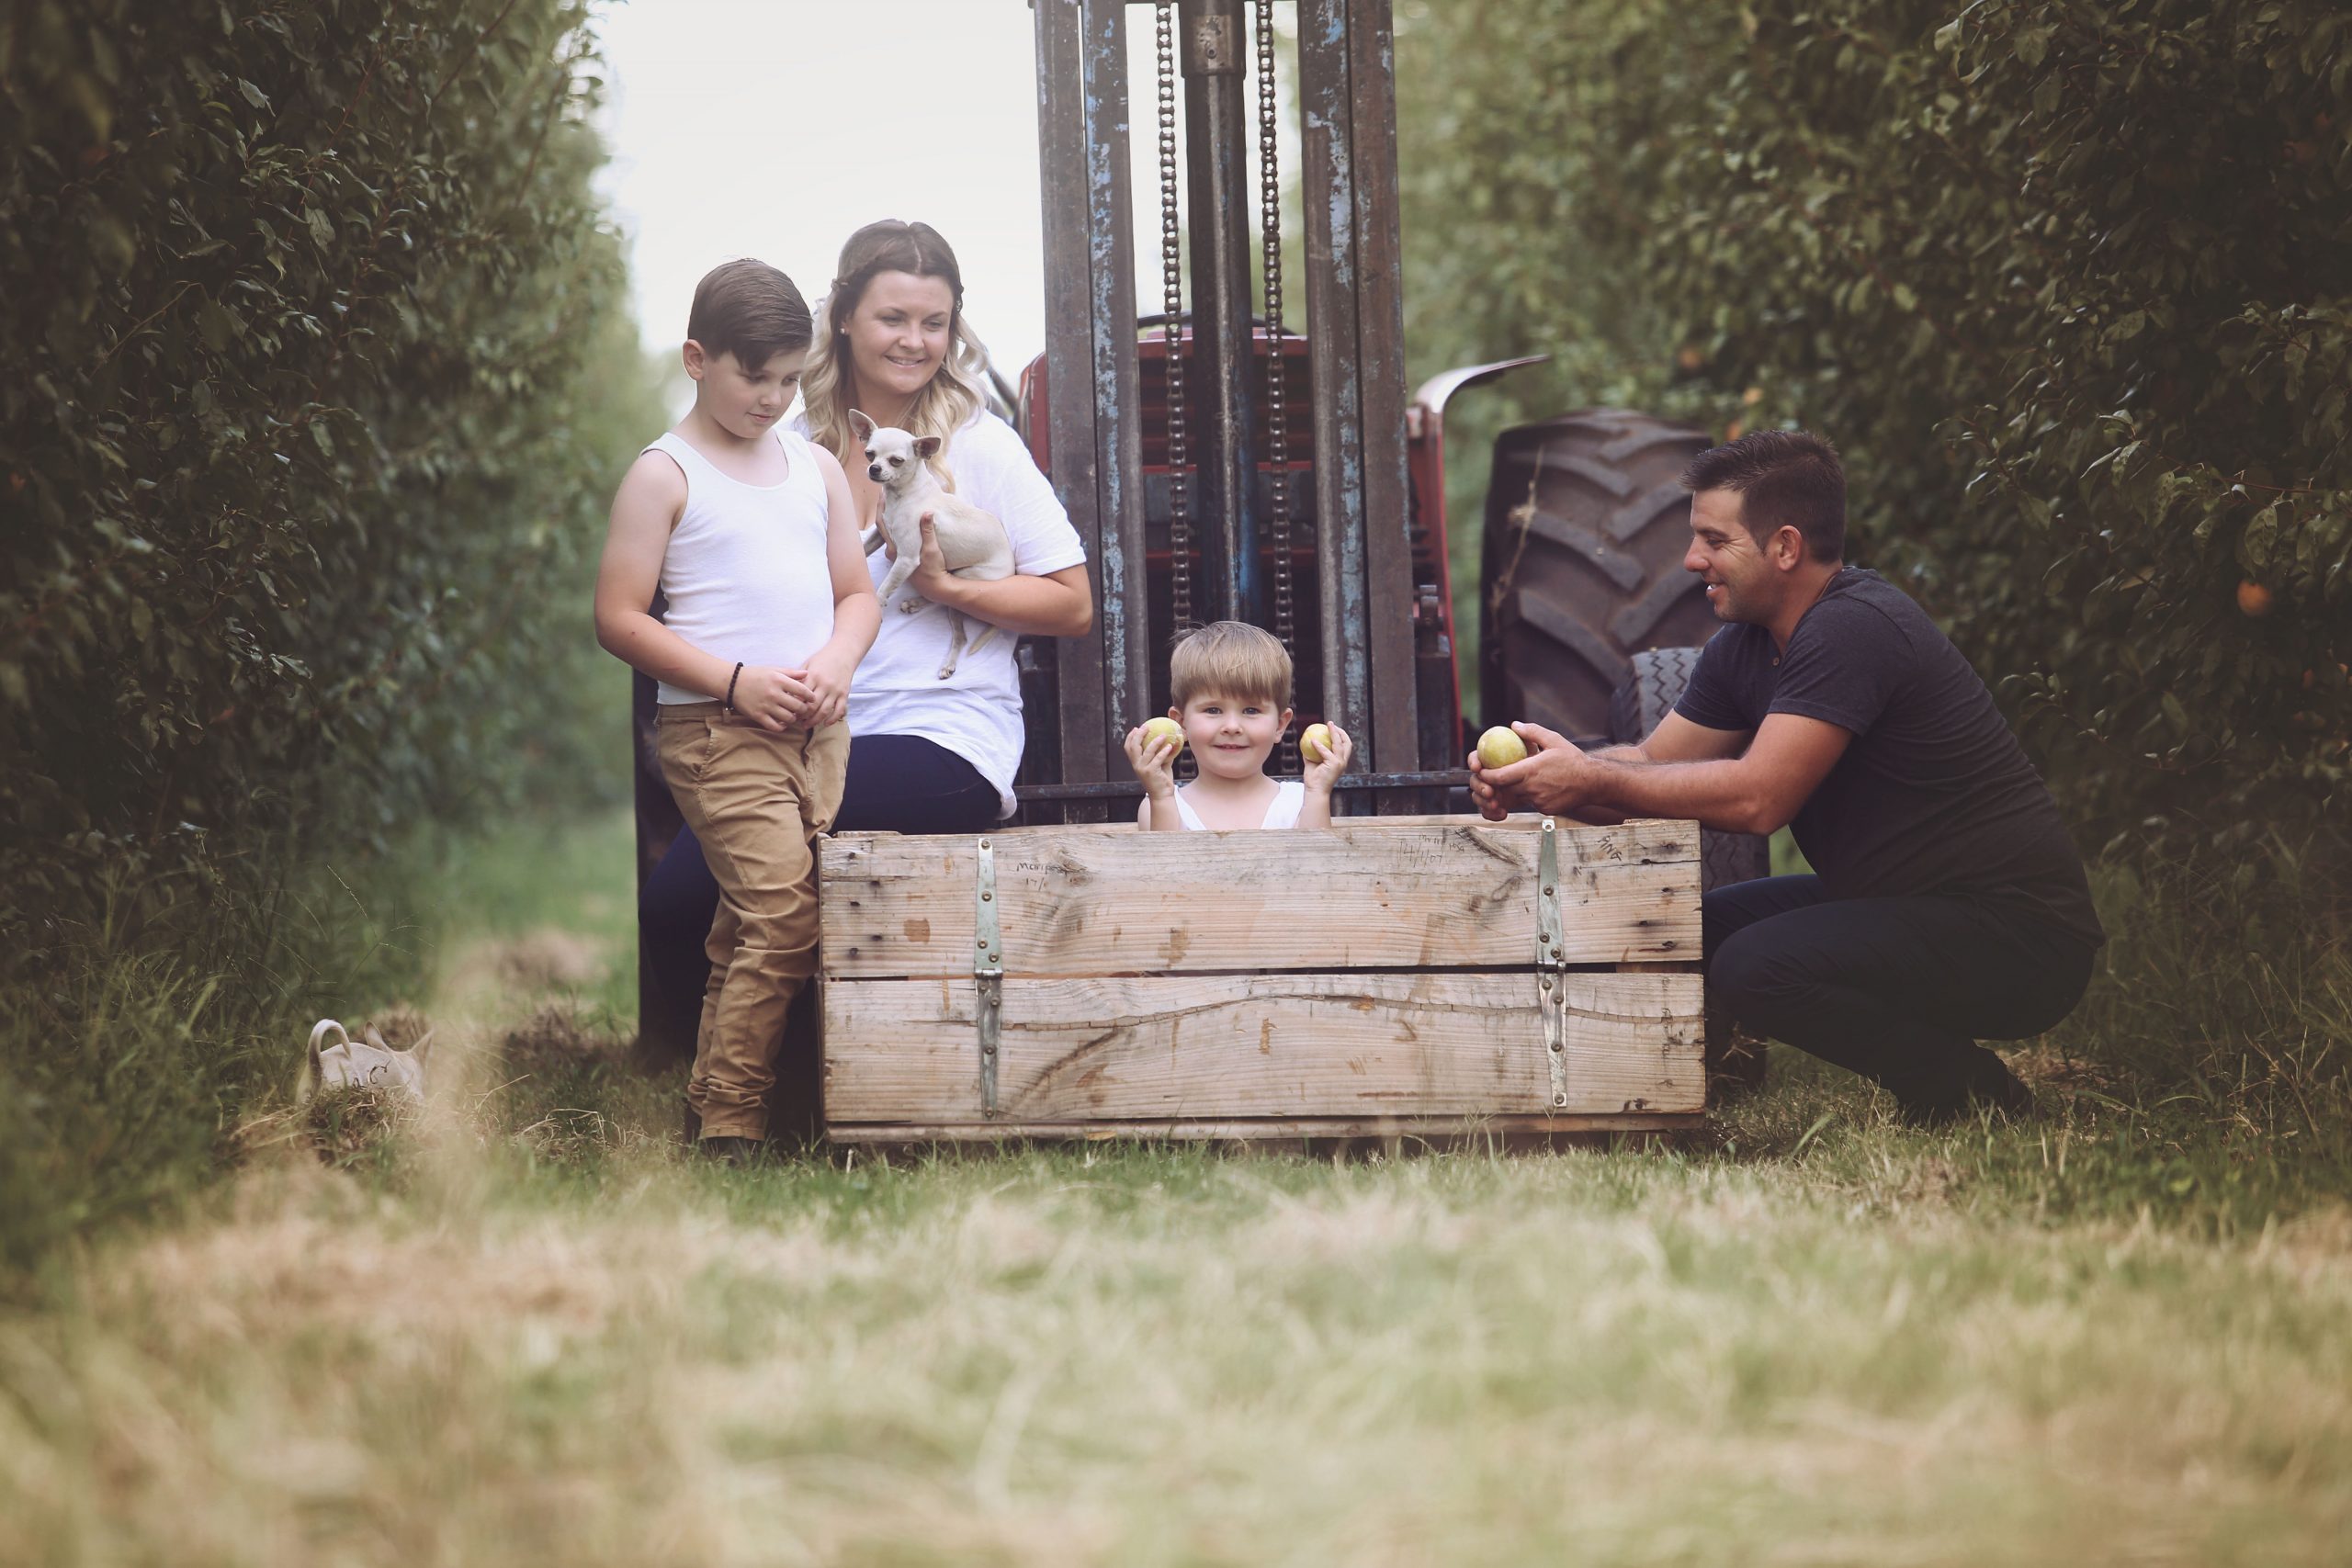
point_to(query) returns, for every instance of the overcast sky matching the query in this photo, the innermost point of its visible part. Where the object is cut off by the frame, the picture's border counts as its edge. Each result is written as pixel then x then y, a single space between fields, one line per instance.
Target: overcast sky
pixel 744 128
pixel 774 127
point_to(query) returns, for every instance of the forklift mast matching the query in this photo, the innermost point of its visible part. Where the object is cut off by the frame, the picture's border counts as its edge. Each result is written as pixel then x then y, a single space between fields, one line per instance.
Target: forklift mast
pixel 1372 625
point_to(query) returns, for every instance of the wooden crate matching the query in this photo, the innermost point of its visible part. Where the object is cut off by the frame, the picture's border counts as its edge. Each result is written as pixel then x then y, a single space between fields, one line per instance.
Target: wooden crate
pixel 1382 977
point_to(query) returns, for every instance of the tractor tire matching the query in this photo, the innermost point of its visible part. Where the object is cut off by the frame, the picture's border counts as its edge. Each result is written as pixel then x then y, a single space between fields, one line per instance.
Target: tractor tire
pixel 1735 1059
pixel 1652 687
pixel 1586 525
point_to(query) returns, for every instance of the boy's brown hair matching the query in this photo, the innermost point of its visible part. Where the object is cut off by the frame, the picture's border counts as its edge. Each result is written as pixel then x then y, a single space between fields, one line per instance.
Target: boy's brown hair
pixel 750 310
pixel 1230 659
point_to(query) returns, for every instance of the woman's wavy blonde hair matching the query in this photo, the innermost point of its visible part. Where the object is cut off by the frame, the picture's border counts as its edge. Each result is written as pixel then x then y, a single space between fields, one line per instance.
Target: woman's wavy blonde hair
pixel 957 389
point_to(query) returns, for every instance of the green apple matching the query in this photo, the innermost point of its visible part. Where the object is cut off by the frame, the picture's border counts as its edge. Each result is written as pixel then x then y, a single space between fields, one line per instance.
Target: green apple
pixel 1499 748
pixel 1157 729
pixel 1316 743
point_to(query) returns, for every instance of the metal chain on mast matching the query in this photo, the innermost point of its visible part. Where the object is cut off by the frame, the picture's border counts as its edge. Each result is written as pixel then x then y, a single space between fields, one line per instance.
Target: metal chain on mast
pixel 1171 261
pixel 1270 226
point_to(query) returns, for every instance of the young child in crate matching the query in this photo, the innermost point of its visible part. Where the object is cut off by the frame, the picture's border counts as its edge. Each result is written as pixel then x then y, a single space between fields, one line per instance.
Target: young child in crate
pixel 749 531
pixel 1230 685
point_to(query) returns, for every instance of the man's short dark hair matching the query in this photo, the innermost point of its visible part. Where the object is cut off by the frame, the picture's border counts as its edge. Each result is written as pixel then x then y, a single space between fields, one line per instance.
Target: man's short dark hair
pixel 1784 479
pixel 750 310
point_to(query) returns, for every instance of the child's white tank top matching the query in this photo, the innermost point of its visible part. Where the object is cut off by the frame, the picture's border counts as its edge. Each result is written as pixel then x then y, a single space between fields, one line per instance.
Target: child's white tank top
pixel 1289 795
pixel 745 571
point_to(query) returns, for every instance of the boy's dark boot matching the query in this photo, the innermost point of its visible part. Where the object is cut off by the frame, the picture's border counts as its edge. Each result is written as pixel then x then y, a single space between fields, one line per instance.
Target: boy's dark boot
pixel 730 1151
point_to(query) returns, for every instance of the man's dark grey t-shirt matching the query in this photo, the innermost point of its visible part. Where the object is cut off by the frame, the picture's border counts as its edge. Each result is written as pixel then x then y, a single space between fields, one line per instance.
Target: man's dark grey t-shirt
pixel 1934 795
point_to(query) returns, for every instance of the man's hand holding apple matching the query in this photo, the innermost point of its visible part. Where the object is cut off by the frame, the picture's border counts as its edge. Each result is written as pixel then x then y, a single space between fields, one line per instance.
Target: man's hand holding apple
pixel 1553 779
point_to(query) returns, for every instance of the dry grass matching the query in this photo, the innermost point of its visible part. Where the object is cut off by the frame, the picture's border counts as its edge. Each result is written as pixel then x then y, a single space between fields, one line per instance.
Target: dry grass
pixel 1162 1356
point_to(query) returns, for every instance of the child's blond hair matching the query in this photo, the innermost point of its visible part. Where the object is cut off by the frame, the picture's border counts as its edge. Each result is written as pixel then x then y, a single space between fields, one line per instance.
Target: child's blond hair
pixel 1230 659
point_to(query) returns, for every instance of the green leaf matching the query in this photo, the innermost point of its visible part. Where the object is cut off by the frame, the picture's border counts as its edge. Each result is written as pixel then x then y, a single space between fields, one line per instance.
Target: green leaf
pixel 219 325
pixel 2261 534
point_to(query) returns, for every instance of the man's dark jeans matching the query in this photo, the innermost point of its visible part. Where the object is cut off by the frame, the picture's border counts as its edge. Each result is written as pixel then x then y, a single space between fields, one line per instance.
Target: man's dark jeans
pixel 1897 989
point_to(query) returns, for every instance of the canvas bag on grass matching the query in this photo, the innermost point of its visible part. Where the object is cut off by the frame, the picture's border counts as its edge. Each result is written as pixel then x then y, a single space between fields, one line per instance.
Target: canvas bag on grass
pixel 365 1062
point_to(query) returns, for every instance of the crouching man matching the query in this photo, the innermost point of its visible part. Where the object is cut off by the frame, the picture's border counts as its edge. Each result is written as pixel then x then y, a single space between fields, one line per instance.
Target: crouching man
pixel 1948 905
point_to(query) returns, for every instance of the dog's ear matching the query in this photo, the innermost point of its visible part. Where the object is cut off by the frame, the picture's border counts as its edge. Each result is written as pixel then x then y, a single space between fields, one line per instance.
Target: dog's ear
pixel 417 1051
pixel 862 425
pixel 926 445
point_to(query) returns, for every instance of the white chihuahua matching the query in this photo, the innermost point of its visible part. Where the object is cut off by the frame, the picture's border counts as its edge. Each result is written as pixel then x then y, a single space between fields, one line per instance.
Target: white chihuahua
pixel 972 540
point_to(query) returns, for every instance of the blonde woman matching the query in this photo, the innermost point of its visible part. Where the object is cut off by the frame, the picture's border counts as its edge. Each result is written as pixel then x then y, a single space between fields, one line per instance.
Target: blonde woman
pixel 926 755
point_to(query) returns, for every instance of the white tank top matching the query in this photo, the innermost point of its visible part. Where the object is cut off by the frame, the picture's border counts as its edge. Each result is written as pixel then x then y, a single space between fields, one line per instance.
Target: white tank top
pixel 745 572
pixel 1289 795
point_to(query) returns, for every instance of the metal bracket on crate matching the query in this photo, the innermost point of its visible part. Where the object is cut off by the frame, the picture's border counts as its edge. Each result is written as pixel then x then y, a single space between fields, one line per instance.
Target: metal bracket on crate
pixel 988 973
pixel 1551 961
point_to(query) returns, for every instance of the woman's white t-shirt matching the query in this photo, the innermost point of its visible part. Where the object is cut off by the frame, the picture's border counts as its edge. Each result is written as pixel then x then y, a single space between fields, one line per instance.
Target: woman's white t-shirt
pixel 974 713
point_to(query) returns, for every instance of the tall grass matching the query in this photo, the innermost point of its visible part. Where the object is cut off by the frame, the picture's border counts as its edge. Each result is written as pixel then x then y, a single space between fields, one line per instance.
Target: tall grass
pixel 2229 987
pixel 130 1048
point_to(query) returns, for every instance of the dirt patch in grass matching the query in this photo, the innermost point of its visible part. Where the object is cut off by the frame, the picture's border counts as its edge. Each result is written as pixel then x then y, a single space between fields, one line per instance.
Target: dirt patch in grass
pixel 534 963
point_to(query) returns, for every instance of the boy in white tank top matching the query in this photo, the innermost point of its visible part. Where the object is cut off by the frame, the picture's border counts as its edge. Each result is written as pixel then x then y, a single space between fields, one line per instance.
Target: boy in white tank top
pixel 751 534
pixel 1229 682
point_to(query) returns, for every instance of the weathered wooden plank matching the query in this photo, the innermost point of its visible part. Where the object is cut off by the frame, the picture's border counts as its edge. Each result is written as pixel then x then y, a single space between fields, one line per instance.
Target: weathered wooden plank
pixel 1452 1130
pixel 1358 896
pixel 1226 1046
pixel 1521 823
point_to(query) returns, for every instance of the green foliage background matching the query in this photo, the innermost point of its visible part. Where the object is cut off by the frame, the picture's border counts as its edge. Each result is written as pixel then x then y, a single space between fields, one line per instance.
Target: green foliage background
pixel 2066 280
pixel 315 376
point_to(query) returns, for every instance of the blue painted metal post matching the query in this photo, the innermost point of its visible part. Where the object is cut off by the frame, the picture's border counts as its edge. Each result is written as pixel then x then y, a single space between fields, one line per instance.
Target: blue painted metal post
pixel 1113 375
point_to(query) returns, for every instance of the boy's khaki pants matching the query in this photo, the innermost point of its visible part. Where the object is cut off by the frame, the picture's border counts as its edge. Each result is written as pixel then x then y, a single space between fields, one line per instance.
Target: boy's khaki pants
pixel 757 799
